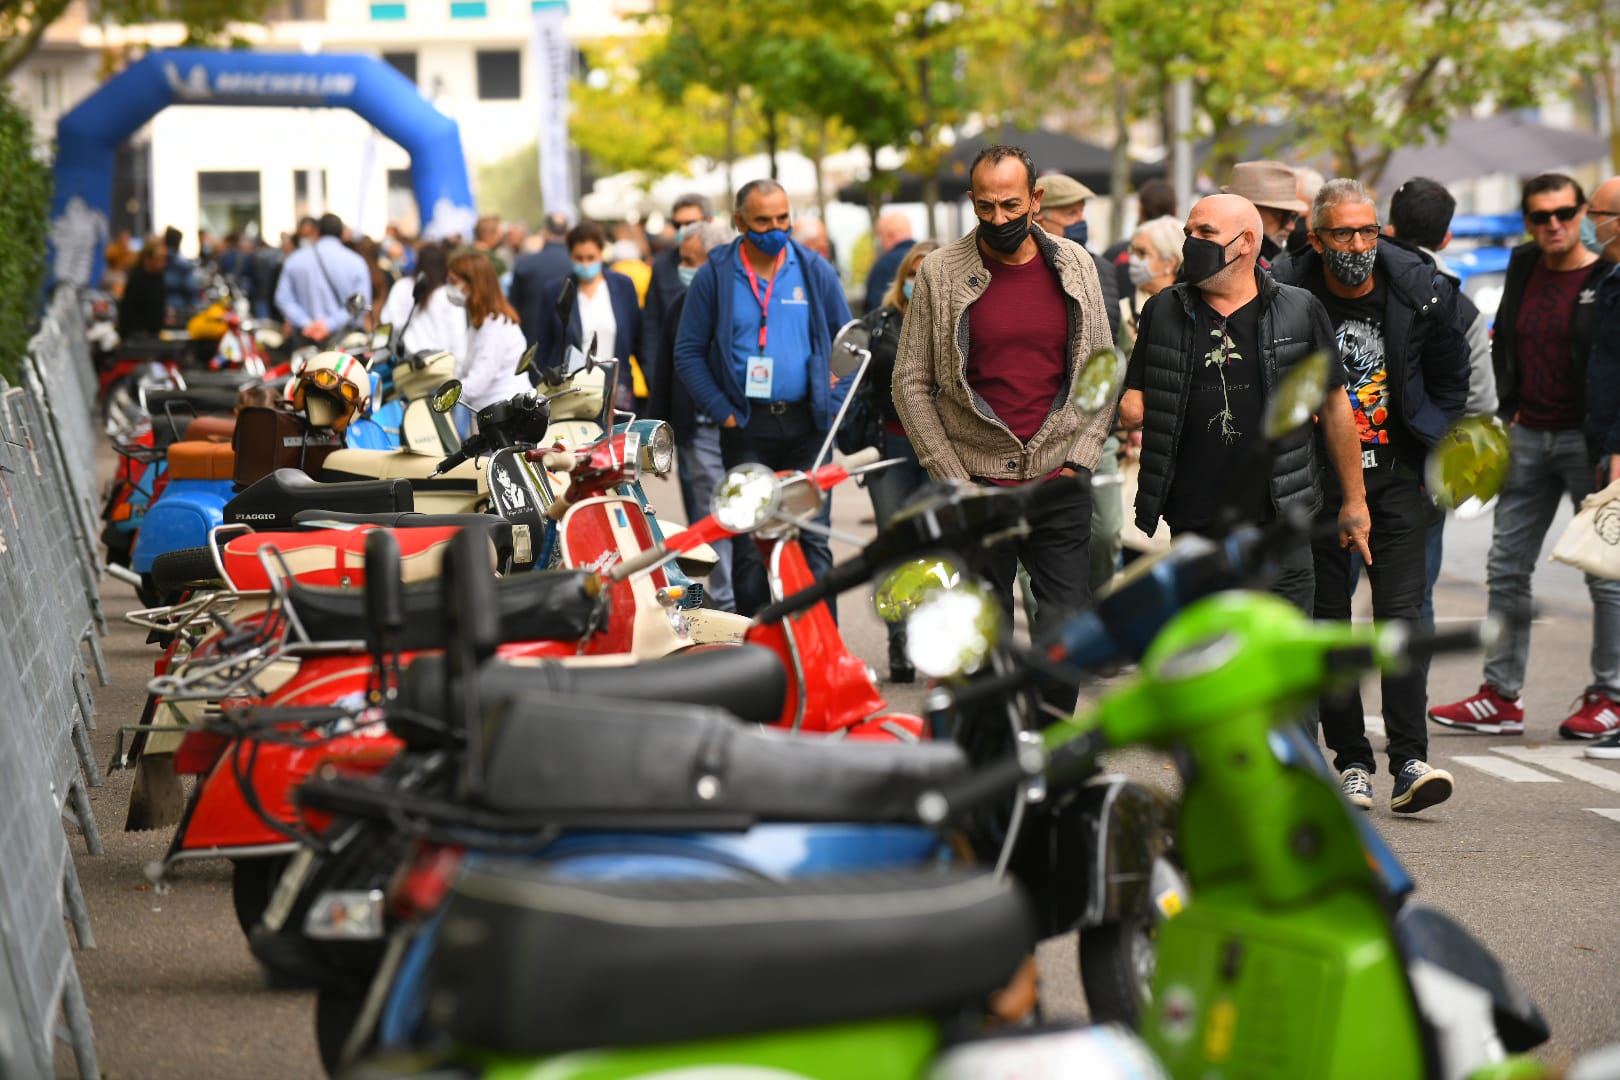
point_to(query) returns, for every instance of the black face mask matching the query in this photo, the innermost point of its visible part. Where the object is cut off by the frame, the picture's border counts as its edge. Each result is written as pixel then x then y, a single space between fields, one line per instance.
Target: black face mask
pixel 1202 259
pixel 1007 237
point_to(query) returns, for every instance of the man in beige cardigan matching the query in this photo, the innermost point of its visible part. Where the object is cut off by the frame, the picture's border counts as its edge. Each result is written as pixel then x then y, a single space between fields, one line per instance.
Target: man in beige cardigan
pixel 1001 324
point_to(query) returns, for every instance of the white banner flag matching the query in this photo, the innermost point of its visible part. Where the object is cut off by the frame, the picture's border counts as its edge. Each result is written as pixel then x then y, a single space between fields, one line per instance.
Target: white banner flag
pixel 553 61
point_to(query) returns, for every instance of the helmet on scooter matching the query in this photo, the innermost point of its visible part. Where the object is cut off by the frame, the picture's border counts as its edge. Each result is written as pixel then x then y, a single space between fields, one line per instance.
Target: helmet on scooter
pixel 331 389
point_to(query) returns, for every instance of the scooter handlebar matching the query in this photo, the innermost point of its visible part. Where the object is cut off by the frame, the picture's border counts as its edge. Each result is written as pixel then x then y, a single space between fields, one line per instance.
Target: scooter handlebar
pixel 638 562
pixel 862 458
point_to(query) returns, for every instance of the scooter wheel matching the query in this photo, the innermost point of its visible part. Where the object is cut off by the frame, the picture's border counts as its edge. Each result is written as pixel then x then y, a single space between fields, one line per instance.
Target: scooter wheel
pixel 1116 970
pixel 174 572
pixel 253 881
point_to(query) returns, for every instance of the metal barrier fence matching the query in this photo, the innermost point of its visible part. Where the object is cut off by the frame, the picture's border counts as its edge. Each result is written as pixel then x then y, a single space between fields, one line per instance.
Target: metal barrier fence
pixel 50 611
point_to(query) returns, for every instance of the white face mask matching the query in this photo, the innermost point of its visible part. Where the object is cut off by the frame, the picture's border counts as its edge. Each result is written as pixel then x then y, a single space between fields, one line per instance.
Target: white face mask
pixel 456 295
pixel 1141 273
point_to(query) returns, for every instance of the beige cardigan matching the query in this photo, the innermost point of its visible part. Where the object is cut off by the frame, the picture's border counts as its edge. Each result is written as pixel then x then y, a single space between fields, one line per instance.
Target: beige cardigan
pixel 955 434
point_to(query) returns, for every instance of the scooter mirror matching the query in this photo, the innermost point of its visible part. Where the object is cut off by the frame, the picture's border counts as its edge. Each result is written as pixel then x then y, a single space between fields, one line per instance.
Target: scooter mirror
pixel 445 397
pixel 850 349
pixel 1470 463
pixel 746 498
pixel 526 361
pixel 903 589
pixel 1101 382
pixel 1298 396
pixel 385 601
pixel 590 355
pixel 356 304
pixel 953 631
pixel 383 336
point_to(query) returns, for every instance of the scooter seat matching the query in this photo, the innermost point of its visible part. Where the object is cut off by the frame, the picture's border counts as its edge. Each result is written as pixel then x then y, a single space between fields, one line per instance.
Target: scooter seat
pixel 593 761
pixel 499 529
pixel 276 500
pixel 212 427
pixel 638 963
pixel 556 605
pixel 331 557
pixel 194 401
pixel 746 681
pixel 347 465
pixel 196 459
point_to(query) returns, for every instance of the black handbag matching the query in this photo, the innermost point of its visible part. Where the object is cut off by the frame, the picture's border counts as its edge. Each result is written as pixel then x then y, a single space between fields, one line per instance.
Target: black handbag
pixel 863 422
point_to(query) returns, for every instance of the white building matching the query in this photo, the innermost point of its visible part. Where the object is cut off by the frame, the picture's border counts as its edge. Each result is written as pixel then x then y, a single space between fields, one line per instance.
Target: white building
pixel 226 167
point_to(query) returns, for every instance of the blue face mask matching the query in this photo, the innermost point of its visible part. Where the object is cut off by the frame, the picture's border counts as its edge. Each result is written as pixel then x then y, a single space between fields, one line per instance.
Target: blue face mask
pixel 587 271
pixel 1078 232
pixel 905 287
pixel 772 241
pixel 687 273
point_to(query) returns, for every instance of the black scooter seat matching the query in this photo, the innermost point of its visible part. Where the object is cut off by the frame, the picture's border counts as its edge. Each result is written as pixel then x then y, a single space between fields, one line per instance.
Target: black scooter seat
pixel 546 605
pixel 640 963
pixel 275 501
pixel 498 529
pixel 746 681
pixel 595 761
pixel 198 400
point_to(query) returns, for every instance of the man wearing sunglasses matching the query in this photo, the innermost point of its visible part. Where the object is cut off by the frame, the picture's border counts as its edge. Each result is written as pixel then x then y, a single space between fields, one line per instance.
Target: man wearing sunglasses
pixel 1405 359
pixel 1545 330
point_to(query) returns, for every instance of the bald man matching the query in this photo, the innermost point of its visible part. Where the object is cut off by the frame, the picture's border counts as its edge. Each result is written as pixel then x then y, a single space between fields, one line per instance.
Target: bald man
pixel 1209 350
pixel 893 240
pixel 1603 375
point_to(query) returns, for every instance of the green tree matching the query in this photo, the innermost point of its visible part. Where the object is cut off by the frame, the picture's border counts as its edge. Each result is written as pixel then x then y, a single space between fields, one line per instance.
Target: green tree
pixel 23 22
pixel 22 223
pixel 510 188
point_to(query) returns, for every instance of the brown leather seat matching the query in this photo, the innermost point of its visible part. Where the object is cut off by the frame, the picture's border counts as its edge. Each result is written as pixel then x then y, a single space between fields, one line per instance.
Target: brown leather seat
pixel 212 428
pixel 200 459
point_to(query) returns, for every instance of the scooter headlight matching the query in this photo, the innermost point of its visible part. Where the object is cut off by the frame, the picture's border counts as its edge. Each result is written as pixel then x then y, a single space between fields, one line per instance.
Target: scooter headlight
pixel 658 452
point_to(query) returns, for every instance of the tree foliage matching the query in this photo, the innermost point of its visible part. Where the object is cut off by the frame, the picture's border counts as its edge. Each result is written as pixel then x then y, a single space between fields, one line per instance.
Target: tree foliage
pixel 23 22
pixel 22 226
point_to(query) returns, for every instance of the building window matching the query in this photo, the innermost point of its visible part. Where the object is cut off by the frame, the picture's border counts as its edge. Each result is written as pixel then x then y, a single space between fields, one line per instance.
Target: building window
pixel 48 88
pixel 227 202
pixel 296 11
pixel 402 62
pixel 499 75
pixel 402 202
pixel 468 9
pixel 303 205
pixel 387 12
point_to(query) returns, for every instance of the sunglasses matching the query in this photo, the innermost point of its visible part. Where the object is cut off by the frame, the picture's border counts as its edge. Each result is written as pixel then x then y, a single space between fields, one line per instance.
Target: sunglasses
pixel 329 380
pixel 1543 217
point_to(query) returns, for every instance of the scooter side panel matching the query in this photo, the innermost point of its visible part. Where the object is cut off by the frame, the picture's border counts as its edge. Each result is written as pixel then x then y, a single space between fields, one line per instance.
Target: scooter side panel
pixel 182 518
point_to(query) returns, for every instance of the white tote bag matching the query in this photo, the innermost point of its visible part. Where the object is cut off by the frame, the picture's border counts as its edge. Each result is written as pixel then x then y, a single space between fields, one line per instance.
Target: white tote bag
pixel 1592 540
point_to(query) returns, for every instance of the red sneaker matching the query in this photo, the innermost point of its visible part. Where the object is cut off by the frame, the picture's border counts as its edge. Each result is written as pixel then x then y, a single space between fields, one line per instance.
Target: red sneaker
pixel 1487 712
pixel 1597 716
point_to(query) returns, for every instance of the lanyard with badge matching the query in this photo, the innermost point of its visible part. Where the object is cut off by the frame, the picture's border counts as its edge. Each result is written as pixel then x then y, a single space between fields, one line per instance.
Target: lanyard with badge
pixel 761 368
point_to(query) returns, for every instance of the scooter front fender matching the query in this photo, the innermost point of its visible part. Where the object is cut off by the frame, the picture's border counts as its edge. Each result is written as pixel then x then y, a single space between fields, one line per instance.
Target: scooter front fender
pixel 1096 864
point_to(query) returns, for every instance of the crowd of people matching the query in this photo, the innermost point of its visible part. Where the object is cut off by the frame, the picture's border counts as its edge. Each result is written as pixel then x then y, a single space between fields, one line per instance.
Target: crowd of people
pixel 725 329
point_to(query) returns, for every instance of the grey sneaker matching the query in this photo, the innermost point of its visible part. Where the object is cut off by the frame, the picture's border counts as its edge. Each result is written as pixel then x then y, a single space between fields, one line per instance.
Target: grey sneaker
pixel 1418 787
pixel 1356 783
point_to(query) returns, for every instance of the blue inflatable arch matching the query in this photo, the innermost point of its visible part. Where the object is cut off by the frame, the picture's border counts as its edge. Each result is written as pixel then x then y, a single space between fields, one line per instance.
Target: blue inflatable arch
pixel 88 136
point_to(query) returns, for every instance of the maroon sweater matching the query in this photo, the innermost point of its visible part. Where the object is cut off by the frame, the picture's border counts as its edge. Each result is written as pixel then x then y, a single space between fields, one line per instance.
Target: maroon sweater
pixel 1018 344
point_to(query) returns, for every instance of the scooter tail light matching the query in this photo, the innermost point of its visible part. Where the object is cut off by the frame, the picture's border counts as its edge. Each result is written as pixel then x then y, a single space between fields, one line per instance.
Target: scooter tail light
pixel 347 915
pixel 426 880
pixel 198 751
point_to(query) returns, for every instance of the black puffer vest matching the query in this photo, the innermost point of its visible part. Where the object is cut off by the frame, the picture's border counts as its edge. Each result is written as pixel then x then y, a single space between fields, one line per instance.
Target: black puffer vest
pixel 1289 332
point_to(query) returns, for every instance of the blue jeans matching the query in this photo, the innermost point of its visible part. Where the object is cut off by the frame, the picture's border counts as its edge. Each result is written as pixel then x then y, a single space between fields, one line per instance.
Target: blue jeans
pixel 700 472
pixel 892 487
pixel 1544 466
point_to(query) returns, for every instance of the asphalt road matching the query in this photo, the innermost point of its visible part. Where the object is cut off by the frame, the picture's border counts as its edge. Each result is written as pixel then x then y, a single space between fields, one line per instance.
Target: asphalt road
pixel 1525 854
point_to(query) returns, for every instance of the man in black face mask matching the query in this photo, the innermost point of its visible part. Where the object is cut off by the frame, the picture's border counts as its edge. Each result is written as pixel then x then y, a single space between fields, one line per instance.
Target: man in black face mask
pixel 1000 326
pixel 1405 360
pixel 1063 213
pixel 1209 351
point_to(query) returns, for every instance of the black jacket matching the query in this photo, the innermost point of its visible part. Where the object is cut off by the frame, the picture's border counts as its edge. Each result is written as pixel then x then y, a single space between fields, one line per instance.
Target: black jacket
pixel 1425 344
pixel 662 292
pixel 884 323
pixel 1603 369
pixel 1505 338
pixel 1293 325
pixel 668 398
pixel 530 276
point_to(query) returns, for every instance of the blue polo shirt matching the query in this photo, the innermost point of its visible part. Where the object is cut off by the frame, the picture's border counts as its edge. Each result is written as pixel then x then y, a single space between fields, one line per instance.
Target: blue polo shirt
pixel 787 340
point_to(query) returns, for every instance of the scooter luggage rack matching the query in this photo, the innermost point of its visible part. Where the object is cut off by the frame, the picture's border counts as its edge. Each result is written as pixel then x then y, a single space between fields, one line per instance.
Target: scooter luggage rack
pixel 279 635
pixel 197 612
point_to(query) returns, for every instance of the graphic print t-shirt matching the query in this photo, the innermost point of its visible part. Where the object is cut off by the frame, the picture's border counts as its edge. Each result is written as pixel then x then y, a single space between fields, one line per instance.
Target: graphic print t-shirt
pixel 1358 326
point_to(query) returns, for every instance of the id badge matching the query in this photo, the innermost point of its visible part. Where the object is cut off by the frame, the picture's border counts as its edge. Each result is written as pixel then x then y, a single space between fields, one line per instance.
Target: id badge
pixel 758 383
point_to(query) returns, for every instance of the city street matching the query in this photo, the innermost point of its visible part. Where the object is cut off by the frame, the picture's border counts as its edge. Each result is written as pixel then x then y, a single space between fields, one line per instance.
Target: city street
pixel 1525 854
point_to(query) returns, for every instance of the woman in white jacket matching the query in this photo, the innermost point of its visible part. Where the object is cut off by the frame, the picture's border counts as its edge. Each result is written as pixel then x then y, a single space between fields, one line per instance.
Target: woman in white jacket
pixel 420 310
pixel 494 341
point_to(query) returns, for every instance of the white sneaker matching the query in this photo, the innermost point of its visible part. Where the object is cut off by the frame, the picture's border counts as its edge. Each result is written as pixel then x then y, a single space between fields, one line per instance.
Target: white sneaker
pixel 1356 783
